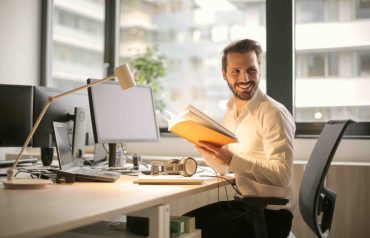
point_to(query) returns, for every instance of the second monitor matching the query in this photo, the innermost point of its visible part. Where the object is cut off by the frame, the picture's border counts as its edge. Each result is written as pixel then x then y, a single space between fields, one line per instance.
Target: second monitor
pixel 63 110
pixel 122 116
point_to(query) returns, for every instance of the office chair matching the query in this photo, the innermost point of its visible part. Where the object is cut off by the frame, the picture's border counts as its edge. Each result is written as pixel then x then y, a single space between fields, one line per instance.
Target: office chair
pixel 315 199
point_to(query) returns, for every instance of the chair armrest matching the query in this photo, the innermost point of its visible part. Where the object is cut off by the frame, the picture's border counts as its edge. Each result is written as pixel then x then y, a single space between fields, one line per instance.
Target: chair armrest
pixel 261 201
pixel 255 206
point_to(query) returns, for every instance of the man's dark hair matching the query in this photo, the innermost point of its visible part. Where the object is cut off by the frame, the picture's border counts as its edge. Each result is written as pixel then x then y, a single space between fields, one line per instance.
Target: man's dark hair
pixel 242 46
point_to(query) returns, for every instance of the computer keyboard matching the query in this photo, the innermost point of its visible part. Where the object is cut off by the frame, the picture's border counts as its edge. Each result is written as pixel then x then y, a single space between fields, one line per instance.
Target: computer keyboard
pixel 9 163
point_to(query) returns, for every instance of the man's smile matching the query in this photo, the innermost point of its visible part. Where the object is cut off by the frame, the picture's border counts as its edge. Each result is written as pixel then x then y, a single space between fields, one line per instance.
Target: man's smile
pixel 245 86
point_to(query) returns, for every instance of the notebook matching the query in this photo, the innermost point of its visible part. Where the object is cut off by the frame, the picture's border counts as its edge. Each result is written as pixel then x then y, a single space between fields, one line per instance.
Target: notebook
pixel 169 179
pixel 67 162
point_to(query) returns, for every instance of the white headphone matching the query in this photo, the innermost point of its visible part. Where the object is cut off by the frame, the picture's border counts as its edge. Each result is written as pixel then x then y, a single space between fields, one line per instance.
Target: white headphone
pixel 185 166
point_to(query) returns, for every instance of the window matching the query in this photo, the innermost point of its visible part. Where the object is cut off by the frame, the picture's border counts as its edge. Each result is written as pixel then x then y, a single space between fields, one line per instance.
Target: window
pixel 334 56
pixel 310 10
pixel 364 65
pixel 362 9
pixel 190 34
pixel 314 65
pixel 77 42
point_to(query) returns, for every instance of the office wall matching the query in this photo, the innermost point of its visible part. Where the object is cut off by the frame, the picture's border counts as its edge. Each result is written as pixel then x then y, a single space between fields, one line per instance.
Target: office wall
pixel 20 41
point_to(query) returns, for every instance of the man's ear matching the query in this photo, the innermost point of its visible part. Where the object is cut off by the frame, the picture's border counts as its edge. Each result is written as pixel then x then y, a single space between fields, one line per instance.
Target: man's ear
pixel 224 75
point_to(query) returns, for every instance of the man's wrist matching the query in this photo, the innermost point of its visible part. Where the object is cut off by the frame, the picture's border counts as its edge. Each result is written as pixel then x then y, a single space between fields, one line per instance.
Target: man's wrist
pixel 228 160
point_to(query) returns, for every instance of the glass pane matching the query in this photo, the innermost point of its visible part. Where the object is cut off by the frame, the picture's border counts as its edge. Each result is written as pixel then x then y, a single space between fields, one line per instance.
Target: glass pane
pixel 363 9
pixel 333 64
pixel 78 42
pixel 190 35
pixel 332 60
pixel 310 11
pixel 364 64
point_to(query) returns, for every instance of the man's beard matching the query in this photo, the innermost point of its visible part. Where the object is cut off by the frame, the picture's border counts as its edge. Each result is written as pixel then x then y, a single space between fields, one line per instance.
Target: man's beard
pixel 243 94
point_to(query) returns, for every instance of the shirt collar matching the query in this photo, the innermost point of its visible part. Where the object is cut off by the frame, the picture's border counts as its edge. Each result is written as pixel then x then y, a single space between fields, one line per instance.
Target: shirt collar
pixel 251 104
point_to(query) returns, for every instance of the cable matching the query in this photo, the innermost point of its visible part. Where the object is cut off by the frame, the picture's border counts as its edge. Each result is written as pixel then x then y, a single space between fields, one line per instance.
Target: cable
pixel 226 193
pixel 218 184
pixel 124 149
pixel 143 164
pixel 228 202
pixel 106 150
pixel 227 180
pixel 92 164
pixel 31 172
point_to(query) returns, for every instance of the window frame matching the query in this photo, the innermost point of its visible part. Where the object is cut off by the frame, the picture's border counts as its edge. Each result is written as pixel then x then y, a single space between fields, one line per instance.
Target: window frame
pixel 46 47
pixel 280 25
pixel 280 58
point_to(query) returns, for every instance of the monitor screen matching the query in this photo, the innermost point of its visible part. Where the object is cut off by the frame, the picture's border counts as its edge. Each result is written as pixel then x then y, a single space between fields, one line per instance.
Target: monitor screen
pixel 122 116
pixel 61 110
pixel 16 114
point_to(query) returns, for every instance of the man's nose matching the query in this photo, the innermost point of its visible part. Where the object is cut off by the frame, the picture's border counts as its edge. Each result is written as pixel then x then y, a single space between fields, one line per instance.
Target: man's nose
pixel 244 77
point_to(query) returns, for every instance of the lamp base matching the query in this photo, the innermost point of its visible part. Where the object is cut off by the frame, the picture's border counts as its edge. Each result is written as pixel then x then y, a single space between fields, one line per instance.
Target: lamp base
pixel 26 183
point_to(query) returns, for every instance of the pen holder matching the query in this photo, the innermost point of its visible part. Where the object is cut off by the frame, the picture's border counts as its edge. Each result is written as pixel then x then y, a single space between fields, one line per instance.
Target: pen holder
pixel 47 155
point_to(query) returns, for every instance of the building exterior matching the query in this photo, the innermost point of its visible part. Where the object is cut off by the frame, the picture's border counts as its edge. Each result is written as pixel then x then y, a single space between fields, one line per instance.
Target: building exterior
pixel 332 60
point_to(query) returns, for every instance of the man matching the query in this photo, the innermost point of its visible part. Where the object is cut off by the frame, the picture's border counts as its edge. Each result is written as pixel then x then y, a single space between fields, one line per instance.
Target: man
pixel 262 158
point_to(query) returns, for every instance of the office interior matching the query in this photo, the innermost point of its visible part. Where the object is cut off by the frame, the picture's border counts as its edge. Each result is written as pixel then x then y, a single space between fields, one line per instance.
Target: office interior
pixel 21 58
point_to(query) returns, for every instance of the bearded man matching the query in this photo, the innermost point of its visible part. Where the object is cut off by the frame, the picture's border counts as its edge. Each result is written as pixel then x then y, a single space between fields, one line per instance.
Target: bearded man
pixel 261 159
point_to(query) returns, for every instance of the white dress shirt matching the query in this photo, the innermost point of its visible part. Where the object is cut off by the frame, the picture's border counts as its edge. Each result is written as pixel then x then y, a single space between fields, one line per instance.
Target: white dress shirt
pixel 263 156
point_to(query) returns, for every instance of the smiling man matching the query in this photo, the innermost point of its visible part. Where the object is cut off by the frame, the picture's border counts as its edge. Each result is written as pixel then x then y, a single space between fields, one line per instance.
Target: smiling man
pixel 261 160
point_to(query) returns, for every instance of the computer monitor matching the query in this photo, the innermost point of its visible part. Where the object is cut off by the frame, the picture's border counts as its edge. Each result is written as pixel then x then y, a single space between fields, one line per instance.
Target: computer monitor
pixel 61 110
pixel 122 116
pixel 16 114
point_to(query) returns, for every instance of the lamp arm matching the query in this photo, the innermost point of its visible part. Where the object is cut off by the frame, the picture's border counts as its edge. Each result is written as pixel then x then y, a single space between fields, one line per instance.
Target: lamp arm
pixel 83 87
pixel 10 171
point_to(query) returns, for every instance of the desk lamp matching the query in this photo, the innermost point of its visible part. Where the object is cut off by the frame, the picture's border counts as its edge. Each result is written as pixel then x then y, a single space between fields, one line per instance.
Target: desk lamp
pixel 125 79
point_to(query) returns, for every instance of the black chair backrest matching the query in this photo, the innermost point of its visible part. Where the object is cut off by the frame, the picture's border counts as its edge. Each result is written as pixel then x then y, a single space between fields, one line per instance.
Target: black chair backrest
pixel 314 197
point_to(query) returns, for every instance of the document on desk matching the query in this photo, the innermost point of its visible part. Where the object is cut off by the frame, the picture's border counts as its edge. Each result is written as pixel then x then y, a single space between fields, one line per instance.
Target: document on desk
pixel 169 179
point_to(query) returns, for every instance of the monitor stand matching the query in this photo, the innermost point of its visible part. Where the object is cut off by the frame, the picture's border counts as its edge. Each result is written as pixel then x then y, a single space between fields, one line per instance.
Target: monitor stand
pixel 112 154
pixel 79 132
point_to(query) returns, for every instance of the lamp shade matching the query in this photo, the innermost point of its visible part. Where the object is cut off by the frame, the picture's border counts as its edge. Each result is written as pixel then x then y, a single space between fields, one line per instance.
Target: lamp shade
pixel 124 76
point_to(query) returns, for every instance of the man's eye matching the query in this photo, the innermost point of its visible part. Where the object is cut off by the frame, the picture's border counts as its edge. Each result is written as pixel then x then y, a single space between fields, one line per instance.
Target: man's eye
pixel 252 71
pixel 236 71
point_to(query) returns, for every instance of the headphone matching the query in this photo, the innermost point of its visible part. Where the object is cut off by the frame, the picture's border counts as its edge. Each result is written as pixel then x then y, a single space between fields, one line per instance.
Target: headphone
pixel 185 167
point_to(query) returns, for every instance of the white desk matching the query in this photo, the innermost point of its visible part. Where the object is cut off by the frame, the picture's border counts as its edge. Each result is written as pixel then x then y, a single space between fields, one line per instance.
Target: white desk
pixel 41 212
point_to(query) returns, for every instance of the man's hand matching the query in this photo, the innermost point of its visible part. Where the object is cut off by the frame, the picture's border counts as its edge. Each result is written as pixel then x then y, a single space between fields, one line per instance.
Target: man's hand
pixel 210 151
